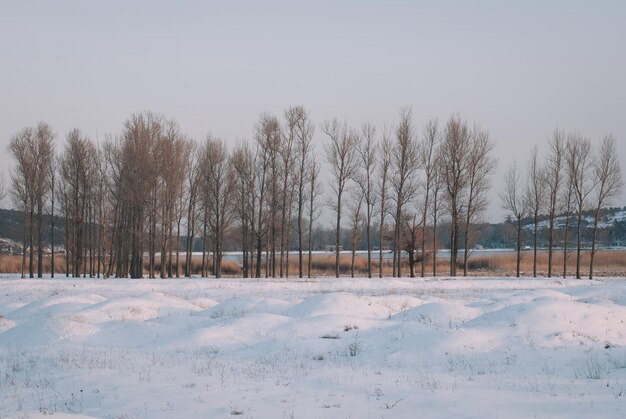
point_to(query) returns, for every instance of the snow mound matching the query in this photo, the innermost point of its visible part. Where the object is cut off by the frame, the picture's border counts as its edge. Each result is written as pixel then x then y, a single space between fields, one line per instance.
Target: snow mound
pixel 57 304
pixel 554 323
pixel 338 303
pixel 36 332
pixel 6 324
pixel 142 308
pixel 440 314
pixel 238 307
pixel 51 415
pixel 241 332
pixel 397 303
pixel 204 302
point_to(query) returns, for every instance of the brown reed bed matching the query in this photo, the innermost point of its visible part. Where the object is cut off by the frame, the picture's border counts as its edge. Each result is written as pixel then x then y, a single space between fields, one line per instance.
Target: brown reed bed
pixel 607 263
pixel 11 264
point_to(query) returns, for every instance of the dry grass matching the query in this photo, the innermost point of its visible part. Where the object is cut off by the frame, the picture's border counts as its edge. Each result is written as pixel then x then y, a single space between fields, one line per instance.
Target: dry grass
pixel 607 263
pixel 229 267
pixel 13 264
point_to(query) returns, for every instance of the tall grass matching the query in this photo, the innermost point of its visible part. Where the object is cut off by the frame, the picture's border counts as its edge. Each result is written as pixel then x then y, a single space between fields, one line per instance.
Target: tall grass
pixel 607 263
pixel 10 264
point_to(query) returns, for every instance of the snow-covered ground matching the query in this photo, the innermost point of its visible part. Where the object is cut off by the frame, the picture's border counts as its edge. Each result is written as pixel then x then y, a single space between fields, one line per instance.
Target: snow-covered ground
pixel 349 348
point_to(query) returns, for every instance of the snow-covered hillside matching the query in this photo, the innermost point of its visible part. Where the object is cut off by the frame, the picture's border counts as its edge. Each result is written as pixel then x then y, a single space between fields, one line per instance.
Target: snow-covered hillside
pixel 606 221
pixel 206 348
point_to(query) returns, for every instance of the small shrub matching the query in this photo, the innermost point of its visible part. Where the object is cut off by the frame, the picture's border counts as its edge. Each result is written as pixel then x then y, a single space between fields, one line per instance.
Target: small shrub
pixel 354 348
pixel 589 368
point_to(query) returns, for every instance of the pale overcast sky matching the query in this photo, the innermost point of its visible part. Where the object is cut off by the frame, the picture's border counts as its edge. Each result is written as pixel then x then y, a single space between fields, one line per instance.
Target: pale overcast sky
pixel 520 70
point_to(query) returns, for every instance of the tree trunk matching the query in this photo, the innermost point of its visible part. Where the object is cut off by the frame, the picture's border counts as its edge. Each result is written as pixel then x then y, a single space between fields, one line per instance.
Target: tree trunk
pixel 39 238
pixel 519 246
pixel 593 242
pixel 466 245
pixel 31 273
pixel 435 247
pixel 178 249
pixel 259 249
pixel 338 235
pixel 369 240
pixel 24 245
pixel 52 232
pixel 453 238
pixel 352 262
pixel 550 245
pixel 578 243
pixel 565 246
pixel 309 262
pixel 535 246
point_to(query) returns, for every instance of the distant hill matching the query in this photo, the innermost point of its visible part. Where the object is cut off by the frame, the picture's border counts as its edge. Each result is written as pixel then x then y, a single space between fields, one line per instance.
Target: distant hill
pixel 12 229
pixel 611 227
pixel 609 218
pixel 612 232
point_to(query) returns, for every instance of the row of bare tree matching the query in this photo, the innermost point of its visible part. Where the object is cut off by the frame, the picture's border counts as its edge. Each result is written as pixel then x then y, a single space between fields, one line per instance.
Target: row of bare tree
pixel 413 181
pixel 142 198
pixel 569 180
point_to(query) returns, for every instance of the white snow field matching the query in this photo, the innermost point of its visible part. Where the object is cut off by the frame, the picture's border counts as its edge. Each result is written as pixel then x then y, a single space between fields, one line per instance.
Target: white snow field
pixel 325 348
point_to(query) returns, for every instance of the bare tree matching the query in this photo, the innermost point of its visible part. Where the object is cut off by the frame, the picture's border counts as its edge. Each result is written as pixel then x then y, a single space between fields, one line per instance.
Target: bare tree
pixel 454 151
pixel 267 137
pixel 188 150
pixel 315 190
pixel 242 161
pixel 384 166
pixel 367 150
pixel 22 178
pixel 607 176
pixel 52 186
pixel 356 224
pixel 437 187
pixel 133 160
pixel 427 158
pixel 535 198
pixel 43 156
pixel 156 159
pixel 342 157
pixel 579 166
pixel 3 190
pixel 218 175
pixel 303 131
pixel 274 208
pixel 113 175
pixel 287 153
pixel 76 165
pixel 192 187
pixel 404 165
pixel 102 223
pixel 480 165
pixel 553 181
pixel 513 201
pixel 568 204
pixel 32 149
pixel 175 150
pixel 409 238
